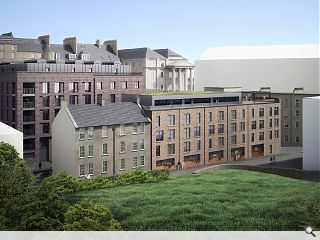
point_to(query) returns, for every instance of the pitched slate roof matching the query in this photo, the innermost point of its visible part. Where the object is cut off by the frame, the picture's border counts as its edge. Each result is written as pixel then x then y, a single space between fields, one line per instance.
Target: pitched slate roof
pixel 97 53
pixel 167 53
pixel 91 115
pixel 23 44
pixel 137 53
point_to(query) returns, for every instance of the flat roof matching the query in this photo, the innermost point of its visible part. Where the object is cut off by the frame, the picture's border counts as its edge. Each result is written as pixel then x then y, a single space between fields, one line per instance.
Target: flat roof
pixel 261 52
pixel 178 93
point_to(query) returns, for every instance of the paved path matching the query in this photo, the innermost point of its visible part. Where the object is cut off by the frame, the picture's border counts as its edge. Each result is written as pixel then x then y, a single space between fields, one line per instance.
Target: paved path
pixel 290 157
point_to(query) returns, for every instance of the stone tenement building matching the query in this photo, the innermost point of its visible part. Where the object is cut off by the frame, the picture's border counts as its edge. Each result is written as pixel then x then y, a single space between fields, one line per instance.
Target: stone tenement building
pixel 291 114
pixel 163 69
pixel 31 95
pixel 203 128
pixel 100 140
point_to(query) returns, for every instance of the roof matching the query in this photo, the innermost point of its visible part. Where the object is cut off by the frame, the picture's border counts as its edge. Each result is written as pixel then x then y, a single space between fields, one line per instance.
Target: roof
pixel 7 130
pixel 137 53
pixel 167 53
pixel 23 44
pixel 179 63
pixel 261 52
pixel 91 115
pixel 97 53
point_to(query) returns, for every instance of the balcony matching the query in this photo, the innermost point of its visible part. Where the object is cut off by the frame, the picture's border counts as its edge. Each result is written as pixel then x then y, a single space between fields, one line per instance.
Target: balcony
pixel 28 105
pixel 28 147
pixel 28 118
pixel 29 91
pixel 29 132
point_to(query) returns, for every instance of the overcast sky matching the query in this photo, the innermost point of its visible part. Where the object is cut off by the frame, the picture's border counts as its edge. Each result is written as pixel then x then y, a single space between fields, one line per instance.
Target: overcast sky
pixel 187 27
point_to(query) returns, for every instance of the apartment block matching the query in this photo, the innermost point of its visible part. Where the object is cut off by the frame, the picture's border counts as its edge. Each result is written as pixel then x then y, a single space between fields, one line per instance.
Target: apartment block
pixel 163 69
pixel 291 114
pixel 209 127
pixel 100 140
pixel 31 93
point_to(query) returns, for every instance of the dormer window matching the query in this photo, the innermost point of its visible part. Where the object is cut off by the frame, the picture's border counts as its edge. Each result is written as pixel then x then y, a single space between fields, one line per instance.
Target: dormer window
pixel 57 56
pixel 85 57
pixel 72 56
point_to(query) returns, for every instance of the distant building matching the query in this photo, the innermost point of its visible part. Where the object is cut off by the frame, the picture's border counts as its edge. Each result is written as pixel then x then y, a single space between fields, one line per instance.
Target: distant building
pixel 100 140
pixel 291 114
pixel 12 136
pixel 163 69
pixel 281 67
pixel 311 130
pixel 200 128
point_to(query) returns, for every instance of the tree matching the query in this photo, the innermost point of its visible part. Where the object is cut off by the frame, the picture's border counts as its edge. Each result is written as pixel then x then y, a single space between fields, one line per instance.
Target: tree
pixel 87 216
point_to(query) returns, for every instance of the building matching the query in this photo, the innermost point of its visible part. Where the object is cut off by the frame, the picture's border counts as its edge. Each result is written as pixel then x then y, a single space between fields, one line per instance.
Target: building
pixel 281 67
pixel 311 130
pixel 100 140
pixel 291 114
pixel 12 136
pixel 31 93
pixel 200 128
pixel 163 69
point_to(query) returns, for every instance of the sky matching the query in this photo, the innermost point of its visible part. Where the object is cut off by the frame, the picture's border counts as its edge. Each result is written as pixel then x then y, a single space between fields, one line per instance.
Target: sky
pixel 187 27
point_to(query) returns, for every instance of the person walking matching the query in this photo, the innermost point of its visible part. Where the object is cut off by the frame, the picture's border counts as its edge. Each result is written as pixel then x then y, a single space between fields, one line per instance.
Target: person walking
pixel 179 165
pixel 271 160
pixel 274 160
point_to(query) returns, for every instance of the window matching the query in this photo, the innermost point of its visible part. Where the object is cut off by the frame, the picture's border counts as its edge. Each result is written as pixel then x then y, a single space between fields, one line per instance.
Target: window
pixel 87 86
pixel 104 132
pixel 122 147
pixel 45 87
pixel 158 121
pixel 186 132
pixel 135 162
pixel 104 149
pixel 276 122
pixel 134 128
pixel 58 87
pixel 112 98
pixel 276 133
pixel 171 120
pixel 211 129
pixel 171 134
pixel 186 146
pixel 221 141
pixel 233 127
pixel 252 137
pixel 122 164
pixel 81 133
pixel 253 125
pixel 297 113
pixel 197 131
pixel 286 124
pixel 158 151
pixel 73 87
pixel 276 111
pixel 90 154
pixel 136 85
pixel 45 101
pixel 261 136
pixel 270 134
pixel 142 163
pixel 81 152
pixel 286 102
pixel 99 85
pixel 270 123
pixel 297 102
pixel 198 118
pixel 141 127
pixel 261 112
pixel 210 116
pixel 261 124
pixel 297 124
pixel 81 170
pixel 46 114
pixel 141 144
pixel 171 148
pixel 243 113
pixel 90 167
pixel 159 135
pixel 233 114
pixel 124 85
pixel 233 139
pixel 210 143
pixel 242 126
pixel 220 128
pixel 134 146
pixel 73 99
pixel 198 145
pixel 87 99
pixel 297 139
pixel 286 138
pixel 252 113
pixel 104 166
pixel 90 132
pixel 122 130
pixel 270 111
pixel 243 138
pixel 221 115
pixel 187 118
pixel 72 56
pixel 112 85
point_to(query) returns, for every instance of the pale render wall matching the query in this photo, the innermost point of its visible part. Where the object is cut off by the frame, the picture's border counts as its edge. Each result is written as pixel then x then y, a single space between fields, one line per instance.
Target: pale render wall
pixel 280 74
pixel 63 152
pixel 311 130
pixel 15 139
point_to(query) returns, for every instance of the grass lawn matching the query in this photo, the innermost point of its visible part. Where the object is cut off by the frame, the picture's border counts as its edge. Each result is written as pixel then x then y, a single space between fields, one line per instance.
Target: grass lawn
pixel 215 200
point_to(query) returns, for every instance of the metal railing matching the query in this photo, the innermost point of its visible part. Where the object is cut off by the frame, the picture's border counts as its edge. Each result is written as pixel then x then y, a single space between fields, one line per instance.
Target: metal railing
pixel 28 132
pixel 28 105
pixel 28 118
pixel 28 90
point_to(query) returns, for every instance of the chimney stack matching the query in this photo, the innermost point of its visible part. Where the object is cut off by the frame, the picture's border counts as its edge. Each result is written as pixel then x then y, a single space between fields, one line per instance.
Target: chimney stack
pixel 45 39
pixel 112 46
pixel 98 42
pixel 72 42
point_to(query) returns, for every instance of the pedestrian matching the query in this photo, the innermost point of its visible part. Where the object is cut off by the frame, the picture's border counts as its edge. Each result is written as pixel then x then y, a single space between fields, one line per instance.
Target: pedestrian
pixel 271 160
pixel 40 165
pixel 179 165
pixel 274 160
